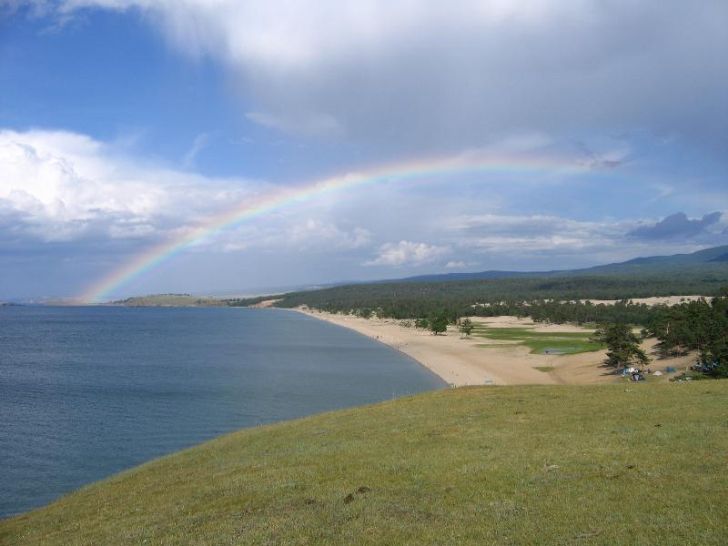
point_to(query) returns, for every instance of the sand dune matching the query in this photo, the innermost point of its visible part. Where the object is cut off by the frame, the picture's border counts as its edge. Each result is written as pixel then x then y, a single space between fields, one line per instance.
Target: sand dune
pixel 655 300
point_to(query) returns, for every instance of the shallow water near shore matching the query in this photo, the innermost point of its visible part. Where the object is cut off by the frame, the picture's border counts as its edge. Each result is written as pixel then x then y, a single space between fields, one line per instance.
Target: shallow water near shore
pixel 88 391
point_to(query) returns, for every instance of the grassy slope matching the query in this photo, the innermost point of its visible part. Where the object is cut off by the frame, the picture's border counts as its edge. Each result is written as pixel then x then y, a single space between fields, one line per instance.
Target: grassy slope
pixel 613 464
pixel 171 300
pixel 567 343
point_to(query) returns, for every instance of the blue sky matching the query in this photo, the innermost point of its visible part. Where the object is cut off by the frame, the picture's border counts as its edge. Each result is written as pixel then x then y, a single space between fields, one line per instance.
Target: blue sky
pixel 127 123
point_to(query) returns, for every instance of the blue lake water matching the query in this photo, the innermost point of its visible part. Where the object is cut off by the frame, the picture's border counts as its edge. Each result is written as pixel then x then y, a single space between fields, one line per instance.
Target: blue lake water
pixel 88 391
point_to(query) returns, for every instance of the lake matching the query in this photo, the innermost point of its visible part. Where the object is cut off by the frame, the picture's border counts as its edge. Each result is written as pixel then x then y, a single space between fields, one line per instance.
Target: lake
pixel 88 391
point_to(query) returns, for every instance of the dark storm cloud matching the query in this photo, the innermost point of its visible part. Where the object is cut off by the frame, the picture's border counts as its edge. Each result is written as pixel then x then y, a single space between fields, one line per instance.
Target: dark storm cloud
pixel 418 76
pixel 676 225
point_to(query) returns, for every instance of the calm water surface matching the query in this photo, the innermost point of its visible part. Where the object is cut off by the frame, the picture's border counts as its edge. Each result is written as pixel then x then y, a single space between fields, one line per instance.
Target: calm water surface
pixel 87 392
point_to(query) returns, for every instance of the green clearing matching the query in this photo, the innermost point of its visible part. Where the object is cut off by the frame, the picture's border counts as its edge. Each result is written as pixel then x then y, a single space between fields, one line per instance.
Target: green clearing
pixel 567 343
pixel 608 464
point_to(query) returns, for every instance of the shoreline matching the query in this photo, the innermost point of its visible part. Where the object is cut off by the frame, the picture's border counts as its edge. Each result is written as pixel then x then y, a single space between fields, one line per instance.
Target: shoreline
pixel 462 362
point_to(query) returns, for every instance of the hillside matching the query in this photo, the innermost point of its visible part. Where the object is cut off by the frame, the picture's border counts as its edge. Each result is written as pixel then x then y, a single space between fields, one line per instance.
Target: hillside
pixel 703 259
pixel 701 273
pixel 617 464
pixel 169 300
pixel 457 298
pixel 707 259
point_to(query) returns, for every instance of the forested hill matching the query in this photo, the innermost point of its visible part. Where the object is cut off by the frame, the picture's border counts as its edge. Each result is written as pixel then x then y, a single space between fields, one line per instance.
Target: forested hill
pixel 701 273
pixel 702 259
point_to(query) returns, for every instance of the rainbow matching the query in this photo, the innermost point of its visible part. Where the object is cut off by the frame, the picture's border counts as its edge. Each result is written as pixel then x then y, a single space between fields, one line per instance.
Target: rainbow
pixel 292 195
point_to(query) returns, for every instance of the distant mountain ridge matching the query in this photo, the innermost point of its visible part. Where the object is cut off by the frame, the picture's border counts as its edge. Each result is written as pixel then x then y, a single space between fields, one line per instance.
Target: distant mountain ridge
pixel 709 265
pixel 721 258
pixel 706 257
pixel 717 253
pixel 700 273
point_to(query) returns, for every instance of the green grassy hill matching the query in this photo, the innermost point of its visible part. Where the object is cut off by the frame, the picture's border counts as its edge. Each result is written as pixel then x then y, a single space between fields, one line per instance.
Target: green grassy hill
pixel 170 300
pixel 615 464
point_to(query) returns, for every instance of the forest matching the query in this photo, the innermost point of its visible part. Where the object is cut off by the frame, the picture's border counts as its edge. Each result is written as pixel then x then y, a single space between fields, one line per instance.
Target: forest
pixel 700 326
pixel 540 297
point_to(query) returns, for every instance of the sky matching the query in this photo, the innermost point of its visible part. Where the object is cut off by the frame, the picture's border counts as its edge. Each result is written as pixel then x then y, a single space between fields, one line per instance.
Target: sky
pixel 574 133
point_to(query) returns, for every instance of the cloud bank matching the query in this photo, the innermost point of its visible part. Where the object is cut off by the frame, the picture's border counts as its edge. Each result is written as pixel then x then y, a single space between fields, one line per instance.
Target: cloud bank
pixel 58 186
pixel 428 75
pixel 69 195
pixel 637 90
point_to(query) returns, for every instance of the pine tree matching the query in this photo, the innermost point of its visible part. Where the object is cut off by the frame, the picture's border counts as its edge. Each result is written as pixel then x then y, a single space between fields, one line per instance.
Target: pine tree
pixel 438 324
pixel 466 327
pixel 623 346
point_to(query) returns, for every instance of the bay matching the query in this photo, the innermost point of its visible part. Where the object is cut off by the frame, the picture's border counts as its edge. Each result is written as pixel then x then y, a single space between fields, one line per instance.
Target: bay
pixel 86 392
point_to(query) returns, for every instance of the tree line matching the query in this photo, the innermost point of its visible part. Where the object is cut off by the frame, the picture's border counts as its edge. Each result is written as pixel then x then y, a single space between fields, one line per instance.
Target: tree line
pixel 700 326
pixel 542 298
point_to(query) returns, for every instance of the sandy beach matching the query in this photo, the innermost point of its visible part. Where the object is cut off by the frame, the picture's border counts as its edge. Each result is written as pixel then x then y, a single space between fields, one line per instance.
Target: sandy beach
pixel 464 361
pixel 460 361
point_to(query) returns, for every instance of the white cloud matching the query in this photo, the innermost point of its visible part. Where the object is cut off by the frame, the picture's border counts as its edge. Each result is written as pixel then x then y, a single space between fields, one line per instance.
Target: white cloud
pixel 535 233
pixel 304 124
pixel 200 142
pixel 293 236
pixel 325 233
pixel 528 224
pixel 407 253
pixel 547 241
pixel 63 186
